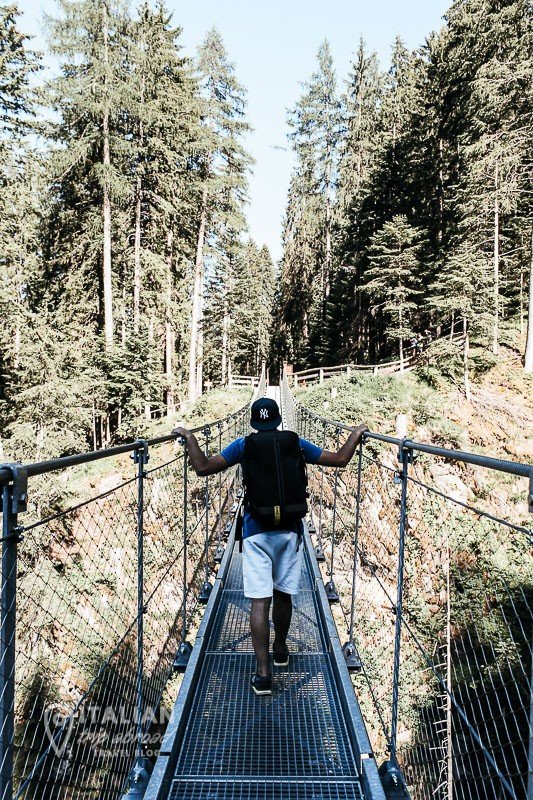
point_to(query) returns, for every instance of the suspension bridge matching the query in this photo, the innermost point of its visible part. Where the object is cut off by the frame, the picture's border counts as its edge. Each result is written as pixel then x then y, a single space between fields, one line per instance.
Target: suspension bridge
pixel 125 652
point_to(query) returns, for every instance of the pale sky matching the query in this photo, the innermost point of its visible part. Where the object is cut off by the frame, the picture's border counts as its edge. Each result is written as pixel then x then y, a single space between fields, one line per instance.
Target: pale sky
pixel 273 46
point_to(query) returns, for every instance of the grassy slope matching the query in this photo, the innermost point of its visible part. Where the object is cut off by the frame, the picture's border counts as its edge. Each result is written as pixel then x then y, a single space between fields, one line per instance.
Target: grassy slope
pixel 496 422
pixel 99 476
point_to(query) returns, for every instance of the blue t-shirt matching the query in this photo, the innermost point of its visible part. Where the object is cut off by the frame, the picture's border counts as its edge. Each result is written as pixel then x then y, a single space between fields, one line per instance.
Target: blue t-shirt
pixel 233 454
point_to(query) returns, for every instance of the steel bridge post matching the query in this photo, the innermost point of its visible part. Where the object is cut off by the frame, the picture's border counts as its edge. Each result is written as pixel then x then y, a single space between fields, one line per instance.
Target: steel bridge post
pixel 404 458
pixel 331 590
pixel 14 499
pixel 220 550
pixel 207 586
pixel 140 773
pixel 185 649
pixel 140 457
pixel 351 655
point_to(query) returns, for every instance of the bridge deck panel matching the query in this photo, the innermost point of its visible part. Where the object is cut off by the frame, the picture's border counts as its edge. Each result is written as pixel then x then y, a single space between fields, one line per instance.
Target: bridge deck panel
pixel 294 744
pixel 232 626
pixel 264 790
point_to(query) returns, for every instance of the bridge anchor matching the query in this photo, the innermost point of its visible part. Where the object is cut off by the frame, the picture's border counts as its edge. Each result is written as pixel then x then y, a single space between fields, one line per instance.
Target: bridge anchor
pixel 331 592
pixel 319 553
pixel 392 781
pixel 182 657
pixel 138 779
pixel 205 593
pixel 351 656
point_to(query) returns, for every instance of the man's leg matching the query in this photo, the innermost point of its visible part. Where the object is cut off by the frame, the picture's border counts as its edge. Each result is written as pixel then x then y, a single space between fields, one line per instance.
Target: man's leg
pixel 281 617
pixel 260 632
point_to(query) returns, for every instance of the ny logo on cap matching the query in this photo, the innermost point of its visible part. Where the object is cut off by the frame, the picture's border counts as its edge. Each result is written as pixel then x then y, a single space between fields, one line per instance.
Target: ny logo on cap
pixel 263 413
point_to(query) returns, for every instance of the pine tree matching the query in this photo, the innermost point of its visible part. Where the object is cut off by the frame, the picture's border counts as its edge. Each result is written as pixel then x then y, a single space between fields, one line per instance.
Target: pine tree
pixel 461 290
pixel 17 64
pixel 316 124
pixel 164 116
pixel 222 164
pixel 489 102
pixel 391 280
pixel 19 214
pixel 254 290
pixel 90 40
pixel 357 162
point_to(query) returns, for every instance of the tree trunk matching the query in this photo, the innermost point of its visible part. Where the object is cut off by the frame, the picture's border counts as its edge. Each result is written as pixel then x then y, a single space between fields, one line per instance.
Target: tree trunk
pixel 496 263
pixel 327 266
pixel 400 320
pixel 16 347
pixel 147 404
pixel 169 333
pixel 224 362
pixel 197 301
pixel 107 275
pixel 137 259
pixel 123 320
pixel 528 356
pixel 441 196
pixel 466 344
pixel 94 425
pixel 521 300
pixel 137 245
pixel 200 354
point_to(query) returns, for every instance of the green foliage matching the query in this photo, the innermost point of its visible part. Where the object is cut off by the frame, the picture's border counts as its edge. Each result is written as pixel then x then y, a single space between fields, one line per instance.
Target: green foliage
pixel 378 399
pixel 440 142
pixel 102 226
pixel 307 267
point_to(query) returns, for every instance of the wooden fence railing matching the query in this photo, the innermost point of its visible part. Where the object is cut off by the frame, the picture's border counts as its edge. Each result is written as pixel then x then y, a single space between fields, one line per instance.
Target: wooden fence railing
pixel 244 380
pixel 412 358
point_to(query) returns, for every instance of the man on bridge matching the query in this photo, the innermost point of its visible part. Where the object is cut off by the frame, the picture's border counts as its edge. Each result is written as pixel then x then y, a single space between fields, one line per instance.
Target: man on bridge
pixel 272 556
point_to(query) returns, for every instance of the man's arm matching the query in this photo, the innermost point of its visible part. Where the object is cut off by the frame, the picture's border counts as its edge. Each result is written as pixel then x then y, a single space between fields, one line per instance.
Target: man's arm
pixel 201 464
pixel 345 453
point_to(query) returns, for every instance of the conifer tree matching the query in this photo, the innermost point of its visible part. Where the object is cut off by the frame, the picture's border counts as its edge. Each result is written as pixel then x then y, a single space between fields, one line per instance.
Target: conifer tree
pixel 164 121
pixel 222 164
pixel 254 290
pixel 90 40
pixel 316 125
pixel 19 217
pixel 391 279
pixel 357 162
pixel 461 289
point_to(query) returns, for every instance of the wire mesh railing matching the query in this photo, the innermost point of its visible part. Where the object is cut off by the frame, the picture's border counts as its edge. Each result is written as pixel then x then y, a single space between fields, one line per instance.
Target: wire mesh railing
pixel 98 600
pixel 434 590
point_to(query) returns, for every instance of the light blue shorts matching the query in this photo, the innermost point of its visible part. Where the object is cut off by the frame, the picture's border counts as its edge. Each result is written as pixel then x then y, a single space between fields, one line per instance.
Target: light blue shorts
pixel 270 561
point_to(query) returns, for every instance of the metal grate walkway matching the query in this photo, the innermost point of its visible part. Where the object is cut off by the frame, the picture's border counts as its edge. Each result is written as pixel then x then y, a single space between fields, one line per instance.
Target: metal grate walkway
pixel 297 744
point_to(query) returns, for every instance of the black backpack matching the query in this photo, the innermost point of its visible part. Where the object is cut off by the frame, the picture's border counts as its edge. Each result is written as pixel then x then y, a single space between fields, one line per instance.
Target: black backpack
pixel 275 479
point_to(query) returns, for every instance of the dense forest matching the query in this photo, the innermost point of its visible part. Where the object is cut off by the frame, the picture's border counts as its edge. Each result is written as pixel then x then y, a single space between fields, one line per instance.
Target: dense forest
pixel 129 280
pixel 410 206
pixel 125 256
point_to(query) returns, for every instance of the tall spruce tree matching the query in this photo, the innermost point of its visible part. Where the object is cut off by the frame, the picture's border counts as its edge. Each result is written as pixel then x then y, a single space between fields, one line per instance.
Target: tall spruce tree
pixel 254 291
pixel 345 333
pixel 222 164
pixel 392 278
pixel 164 116
pixel 90 40
pixel 20 218
pixel 316 124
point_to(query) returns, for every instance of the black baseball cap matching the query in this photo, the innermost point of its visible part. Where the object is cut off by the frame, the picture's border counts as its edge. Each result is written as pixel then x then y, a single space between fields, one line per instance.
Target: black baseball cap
pixel 265 415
